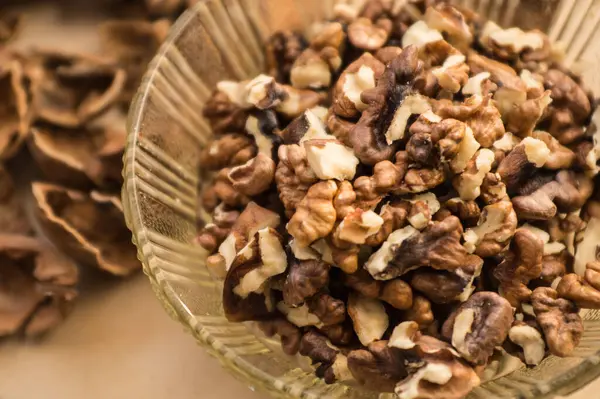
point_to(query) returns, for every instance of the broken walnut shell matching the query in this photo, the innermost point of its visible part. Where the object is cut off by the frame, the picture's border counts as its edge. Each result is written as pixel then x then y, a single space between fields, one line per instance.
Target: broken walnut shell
pixel 90 228
pixel 132 44
pixel 69 89
pixel 82 158
pixel 37 286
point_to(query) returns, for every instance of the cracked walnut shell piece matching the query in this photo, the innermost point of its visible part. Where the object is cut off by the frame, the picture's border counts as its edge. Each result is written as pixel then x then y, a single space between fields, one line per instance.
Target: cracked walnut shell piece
pixel 71 89
pixel 81 157
pixel 15 113
pixel 90 228
pixel 37 286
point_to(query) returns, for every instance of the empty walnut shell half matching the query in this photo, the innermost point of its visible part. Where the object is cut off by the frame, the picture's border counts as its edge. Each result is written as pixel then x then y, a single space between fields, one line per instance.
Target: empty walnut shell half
pixel 10 25
pixel 83 157
pixel 12 215
pixel 37 286
pixel 14 112
pixel 132 44
pixel 70 89
pixel 90 228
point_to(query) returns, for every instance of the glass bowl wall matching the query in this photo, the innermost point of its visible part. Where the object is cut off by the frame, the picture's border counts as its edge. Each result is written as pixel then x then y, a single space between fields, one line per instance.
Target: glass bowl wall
pixel 222 39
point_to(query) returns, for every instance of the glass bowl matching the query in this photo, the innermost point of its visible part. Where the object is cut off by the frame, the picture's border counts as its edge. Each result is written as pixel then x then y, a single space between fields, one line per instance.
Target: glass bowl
pixel 221 39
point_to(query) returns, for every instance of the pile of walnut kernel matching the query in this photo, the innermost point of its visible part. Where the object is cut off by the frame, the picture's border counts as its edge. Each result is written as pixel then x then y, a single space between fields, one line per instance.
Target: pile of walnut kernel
pixel 406 195
pixel 65 112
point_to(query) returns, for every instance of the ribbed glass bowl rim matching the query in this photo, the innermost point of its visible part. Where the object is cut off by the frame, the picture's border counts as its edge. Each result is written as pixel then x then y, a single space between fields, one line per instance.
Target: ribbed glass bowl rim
pixel 566 383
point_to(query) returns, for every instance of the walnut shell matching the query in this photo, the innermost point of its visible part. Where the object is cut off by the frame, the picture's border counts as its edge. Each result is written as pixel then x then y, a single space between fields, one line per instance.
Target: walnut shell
pixel 15 116
pixel 83 158
pixel 69 89
pixel 12 215
pixel 90 228
pixel 37 286
pixel 132 44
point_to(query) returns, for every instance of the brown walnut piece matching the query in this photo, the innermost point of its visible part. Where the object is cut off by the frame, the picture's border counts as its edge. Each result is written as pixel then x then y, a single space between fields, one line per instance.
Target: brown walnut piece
pixel 246 294
pixel 479 113
pixel 478 326
pixel 282 50
pixel 445 18
pixel 369 36
pixel 386 176
pixel 223 188
pixel 368 136
pixel 224 115
pixel 554 266
pixel 329 310
pixel 522 119
pixel 315 346
pixel 442 286
pixel 438 246
pixel 467 211
pixel 522 162
pixel 496 226
pixel 213 234
pixel 568 192
pixel 82 157
pixel 522 263
pixel 253 177
pixel 394 215
pixel 251 220
pixel 420 312
pixel 290 334
pixel 583 291
pixel 339 334
pixel 90 228
pixel 560 157
pixel 567 93
pixel 437 373
pixel 293 176
pixel 559 319
pixel 361 75
pixel 305 278
pixel 379 367
pixel 38 286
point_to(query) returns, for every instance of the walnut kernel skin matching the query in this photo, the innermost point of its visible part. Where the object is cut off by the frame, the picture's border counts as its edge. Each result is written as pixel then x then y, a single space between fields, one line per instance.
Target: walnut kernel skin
pixel 559 319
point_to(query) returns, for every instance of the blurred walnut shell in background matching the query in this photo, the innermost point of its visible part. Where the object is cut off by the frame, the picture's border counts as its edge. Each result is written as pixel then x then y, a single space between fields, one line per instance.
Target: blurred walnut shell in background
pixel 164 7
pixel 14 111
pixel 81 157
pixel 132 44
pixel 37 286
pixel 10 24
pixel 12 215
pixel 90 228
pixel 69 89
